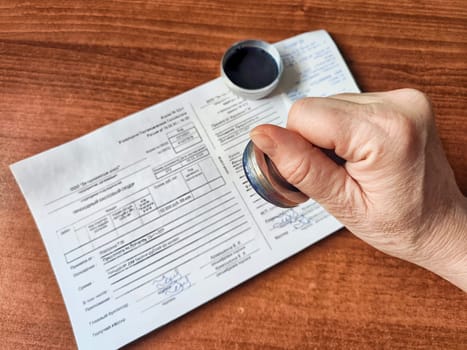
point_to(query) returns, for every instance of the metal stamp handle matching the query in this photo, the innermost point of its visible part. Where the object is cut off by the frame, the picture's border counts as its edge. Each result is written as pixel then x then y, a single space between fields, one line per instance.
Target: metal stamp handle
pixel 267 181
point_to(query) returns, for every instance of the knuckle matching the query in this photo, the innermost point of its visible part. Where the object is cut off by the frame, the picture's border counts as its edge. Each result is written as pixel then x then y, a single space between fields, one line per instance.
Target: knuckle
pixel 420 102
pixel 373 150
pixel 296 172
pixel 297 111
pixel 415 94
pixel 409 134
pixel 407 127
pixel 395 131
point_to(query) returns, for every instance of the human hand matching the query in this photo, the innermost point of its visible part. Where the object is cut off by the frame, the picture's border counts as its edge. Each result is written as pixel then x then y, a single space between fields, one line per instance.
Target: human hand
pixel 396 190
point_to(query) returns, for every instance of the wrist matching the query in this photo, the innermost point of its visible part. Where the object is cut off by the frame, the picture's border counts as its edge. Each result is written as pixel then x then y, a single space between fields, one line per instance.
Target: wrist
pixel 444 252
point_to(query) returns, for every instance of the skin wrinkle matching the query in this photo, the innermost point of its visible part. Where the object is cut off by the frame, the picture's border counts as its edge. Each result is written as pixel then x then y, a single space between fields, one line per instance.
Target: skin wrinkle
pixel 439 248
pixel 348 209
pixel 298 173
pixel 337 194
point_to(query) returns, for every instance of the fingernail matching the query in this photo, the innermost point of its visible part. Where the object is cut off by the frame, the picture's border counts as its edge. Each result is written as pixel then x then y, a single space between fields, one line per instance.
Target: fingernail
pixel 263 142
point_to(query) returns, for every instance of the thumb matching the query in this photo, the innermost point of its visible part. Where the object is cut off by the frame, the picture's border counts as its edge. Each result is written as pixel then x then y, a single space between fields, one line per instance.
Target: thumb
pixel 307 168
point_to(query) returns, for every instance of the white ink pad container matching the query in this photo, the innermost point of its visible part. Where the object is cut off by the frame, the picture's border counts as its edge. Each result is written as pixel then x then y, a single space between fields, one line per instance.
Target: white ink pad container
pixel 252 68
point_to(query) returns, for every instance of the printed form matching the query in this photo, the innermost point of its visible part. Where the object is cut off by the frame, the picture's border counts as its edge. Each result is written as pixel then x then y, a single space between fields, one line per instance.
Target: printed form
pixel 151 216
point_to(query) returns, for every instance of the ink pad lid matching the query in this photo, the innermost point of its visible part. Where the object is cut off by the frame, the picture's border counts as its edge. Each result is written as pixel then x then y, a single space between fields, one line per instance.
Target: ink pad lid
pixel 251 68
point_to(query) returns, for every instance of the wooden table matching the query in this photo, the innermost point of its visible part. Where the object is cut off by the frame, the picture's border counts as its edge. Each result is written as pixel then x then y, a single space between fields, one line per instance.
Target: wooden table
pixel 68 67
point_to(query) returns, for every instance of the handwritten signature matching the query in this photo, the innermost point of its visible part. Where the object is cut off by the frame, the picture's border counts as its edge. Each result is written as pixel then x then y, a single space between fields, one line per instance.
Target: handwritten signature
pixel 294 218
pixel 171 283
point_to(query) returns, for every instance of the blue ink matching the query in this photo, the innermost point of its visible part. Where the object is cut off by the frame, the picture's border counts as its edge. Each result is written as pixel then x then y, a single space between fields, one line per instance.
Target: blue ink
pixel 292 217
pixel 251 67
pixel 171 283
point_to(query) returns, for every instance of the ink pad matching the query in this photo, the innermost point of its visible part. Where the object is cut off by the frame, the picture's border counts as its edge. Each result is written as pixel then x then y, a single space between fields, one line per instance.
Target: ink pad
pixel 251 68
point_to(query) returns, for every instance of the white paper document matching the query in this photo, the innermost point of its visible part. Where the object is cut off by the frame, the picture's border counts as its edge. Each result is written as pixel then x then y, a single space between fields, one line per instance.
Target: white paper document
pixel 151 216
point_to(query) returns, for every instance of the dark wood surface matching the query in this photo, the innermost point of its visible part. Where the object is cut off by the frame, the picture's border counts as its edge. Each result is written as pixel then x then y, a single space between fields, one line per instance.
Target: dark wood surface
pixel 68 67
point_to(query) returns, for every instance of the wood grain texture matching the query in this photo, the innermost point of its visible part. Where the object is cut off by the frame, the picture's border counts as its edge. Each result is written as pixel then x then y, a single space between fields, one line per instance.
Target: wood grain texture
pixel 68 67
